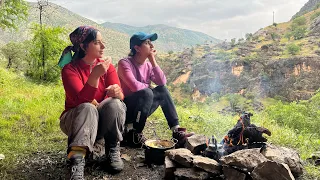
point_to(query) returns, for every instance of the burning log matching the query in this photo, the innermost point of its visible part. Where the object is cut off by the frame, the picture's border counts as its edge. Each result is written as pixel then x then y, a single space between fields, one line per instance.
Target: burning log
pixel 245 135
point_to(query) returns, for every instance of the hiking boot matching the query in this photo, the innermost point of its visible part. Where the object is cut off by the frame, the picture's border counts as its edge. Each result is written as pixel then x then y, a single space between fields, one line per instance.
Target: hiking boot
pixel 114 158
pixel 135 140
pixel 181 135
pixel 77 168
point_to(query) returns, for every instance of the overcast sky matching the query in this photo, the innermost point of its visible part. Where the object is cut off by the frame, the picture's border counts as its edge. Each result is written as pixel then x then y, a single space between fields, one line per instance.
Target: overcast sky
pixel 223 19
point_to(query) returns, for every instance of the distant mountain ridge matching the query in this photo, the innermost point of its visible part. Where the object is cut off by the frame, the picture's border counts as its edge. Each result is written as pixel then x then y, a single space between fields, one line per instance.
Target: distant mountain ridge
pixel 170 38
pixel 55 15
pixel 117 39
pixel 309 6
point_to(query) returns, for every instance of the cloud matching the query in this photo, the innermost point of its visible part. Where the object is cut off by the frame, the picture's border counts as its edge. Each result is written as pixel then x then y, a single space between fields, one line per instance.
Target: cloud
pixel 223 19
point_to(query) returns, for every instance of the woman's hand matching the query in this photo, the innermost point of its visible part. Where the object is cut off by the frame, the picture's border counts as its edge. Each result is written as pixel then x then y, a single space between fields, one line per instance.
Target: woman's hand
pixel 102 67
pixel 114 91
pixel 152 57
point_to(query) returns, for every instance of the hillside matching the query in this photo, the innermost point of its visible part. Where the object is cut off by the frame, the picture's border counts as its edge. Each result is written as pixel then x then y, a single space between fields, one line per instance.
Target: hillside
pixel 170 38
pixel 54 15
pixel 117 39
pixel 308 7
pixel 280 61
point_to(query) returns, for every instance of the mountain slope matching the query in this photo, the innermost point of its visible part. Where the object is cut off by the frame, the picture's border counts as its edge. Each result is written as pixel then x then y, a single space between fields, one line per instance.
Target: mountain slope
pixel 170 38
pixel 281 61
pixel 309 6
pixel 54 15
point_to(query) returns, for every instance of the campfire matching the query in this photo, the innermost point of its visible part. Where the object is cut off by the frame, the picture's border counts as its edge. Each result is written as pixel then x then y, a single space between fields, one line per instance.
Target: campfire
pixel 242 154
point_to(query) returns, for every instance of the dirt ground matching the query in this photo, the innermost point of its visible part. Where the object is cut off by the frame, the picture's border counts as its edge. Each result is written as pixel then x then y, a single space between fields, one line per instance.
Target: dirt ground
pixel 48 165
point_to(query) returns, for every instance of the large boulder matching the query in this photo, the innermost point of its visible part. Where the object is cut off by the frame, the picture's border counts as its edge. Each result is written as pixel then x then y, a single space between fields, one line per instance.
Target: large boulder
pixel 182 156
pixel 191 174
pixel 233 174
pixel 286 156
pixel 196 143
pixel 270 170
pixel 206 164
pixel 246 159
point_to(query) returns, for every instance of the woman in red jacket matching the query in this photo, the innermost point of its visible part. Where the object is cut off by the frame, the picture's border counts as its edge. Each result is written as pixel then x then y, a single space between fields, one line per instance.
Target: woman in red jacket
pixel 93 106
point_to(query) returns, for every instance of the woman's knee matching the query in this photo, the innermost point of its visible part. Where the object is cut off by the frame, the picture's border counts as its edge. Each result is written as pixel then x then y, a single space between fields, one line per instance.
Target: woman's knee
pixel 146 93
pixel 89 111
pixel 114 105
pixel 87 107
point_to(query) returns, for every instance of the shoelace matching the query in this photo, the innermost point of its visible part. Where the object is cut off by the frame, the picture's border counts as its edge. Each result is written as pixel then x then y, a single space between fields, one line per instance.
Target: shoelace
pixel 114 155
pixel 78 171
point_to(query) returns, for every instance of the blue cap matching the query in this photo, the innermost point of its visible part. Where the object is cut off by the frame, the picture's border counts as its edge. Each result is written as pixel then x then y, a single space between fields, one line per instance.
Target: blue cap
pixel 139 37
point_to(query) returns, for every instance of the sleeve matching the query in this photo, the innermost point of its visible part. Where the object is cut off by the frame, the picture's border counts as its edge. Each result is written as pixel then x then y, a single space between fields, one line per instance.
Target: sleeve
pixel 157 76
pixel 127 76
pixel 77 91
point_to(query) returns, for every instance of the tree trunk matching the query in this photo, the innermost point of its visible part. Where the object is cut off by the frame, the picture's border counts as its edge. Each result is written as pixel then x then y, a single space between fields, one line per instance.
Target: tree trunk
pixel 9 63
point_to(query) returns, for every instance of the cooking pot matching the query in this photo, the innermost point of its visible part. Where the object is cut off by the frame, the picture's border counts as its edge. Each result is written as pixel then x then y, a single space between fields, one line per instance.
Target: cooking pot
pixel 155 148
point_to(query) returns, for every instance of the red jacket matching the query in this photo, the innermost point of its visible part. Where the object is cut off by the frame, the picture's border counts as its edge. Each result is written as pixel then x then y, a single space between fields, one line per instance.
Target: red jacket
pixel 78 91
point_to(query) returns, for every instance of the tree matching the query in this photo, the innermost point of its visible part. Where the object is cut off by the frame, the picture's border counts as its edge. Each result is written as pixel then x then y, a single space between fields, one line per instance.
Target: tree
pixel 12 12
pixel 233 42
pixel 43 63
pixel 16 55
pixel 240 40
pixel 249 36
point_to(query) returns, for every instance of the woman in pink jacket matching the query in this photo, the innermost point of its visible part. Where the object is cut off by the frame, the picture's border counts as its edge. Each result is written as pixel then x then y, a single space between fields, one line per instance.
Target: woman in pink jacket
pixel 136 72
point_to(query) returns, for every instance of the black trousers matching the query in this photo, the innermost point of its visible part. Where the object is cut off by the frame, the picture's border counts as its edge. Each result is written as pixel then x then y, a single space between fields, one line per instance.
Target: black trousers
pixel 141 104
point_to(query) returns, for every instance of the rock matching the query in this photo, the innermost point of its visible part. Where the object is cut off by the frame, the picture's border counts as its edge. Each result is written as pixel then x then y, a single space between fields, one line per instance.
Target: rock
pixel 170 167
pixel 206 164
pixel 284 155
pixel 182 156
pixel 126 157
pixel 190 174
pixel 233 174
pixel 196 143
pixel 270 170
pixel 247 159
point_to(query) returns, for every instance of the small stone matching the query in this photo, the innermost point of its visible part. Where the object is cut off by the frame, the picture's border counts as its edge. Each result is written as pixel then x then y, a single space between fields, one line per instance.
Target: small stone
pixel 2 156
pixel 126 157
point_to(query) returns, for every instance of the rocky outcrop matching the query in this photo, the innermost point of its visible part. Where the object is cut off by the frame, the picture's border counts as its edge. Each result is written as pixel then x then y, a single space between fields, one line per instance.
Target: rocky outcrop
pixel 292 78
pixel 315 27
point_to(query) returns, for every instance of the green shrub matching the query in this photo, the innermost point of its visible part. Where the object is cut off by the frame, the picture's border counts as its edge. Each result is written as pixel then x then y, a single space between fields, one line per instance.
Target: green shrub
pixel 300 116
pixel 314 16
pixel 299 21
pixel 299 32
pixel 293 49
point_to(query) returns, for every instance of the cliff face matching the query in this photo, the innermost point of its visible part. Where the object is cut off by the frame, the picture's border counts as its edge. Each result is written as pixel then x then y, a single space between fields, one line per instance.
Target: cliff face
pixel 292 78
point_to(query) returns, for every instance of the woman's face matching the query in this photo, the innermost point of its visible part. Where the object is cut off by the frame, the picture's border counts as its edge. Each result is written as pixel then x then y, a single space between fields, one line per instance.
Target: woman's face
pixel 96 47
pixel 145 48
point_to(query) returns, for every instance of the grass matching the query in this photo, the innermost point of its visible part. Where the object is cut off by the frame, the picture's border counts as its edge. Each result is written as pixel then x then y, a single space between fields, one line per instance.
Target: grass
pixel 30 119
pixel 30 112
